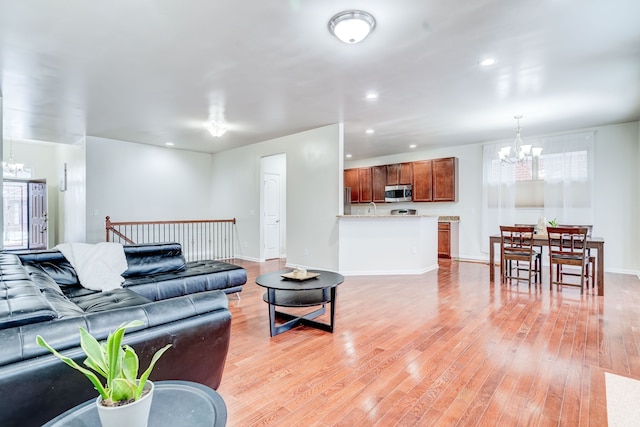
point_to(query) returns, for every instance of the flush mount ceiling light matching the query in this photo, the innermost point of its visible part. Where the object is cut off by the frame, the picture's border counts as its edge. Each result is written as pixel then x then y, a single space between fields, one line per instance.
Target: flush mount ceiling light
pixel 216 129
pixel 352 26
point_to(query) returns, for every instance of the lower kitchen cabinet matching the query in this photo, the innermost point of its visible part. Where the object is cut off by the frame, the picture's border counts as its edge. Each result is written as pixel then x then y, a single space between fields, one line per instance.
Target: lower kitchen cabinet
pixel 448 240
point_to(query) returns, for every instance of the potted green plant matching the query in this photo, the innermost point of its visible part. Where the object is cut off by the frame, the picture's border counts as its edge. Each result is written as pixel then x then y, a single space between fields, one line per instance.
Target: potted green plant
pixel 123 394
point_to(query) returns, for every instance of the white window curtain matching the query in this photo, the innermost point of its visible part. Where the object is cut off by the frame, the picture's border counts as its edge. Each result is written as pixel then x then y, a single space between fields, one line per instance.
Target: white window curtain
pixel 566 166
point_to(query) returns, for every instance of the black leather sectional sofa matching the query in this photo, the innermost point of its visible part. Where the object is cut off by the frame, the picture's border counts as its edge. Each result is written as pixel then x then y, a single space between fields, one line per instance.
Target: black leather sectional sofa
pixel 180 303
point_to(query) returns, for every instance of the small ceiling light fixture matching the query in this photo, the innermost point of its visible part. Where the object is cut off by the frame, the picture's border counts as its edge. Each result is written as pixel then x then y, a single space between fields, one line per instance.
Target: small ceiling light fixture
pixel 371 95
pixel 413 146
pixel 352 26
pixel 216 129
pixel 518 152
pixel 370 131
pixel 487 62
pixel 169 144
pixel 348 156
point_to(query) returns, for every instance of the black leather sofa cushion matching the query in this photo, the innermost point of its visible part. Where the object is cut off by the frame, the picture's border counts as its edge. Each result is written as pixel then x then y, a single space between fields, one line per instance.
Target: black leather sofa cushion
pixel 21 302
pixel 199 276
pixel 116 298
pixel 153 258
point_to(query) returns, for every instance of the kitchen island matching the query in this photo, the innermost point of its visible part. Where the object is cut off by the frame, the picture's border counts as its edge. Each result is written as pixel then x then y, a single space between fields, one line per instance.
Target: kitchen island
pixel 387 244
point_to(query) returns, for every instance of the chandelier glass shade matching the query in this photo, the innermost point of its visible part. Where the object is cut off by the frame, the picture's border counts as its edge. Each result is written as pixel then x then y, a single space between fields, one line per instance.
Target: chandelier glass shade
pixel 518 151
pixel 216 129
pixel 352 26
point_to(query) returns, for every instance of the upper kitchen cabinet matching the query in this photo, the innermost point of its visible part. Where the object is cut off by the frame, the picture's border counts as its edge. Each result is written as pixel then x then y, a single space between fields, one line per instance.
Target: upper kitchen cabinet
pixel 378 181
pixel 352 181
pixel 366 190
pixel 422 178
pixel 400 174
pixel 435 180
pixel 445 179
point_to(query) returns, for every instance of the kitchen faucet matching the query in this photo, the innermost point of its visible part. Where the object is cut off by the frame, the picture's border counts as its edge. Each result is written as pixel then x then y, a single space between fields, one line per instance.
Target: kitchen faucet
pixel 375 210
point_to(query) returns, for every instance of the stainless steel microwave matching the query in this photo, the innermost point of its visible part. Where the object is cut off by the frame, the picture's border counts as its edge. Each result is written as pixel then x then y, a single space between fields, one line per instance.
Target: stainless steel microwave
pixel 397 193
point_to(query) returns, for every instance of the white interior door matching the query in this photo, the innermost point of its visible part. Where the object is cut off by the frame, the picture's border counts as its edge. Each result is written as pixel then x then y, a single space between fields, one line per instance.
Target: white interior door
pixel 271 188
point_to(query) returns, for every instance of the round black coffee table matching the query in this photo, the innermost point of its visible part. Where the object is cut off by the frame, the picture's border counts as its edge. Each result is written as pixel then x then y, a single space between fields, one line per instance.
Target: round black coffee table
pixel 175 403
pixel 284 292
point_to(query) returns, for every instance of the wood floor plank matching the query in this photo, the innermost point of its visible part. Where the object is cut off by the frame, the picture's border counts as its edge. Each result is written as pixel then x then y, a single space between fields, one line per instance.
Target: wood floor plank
pixel 443 348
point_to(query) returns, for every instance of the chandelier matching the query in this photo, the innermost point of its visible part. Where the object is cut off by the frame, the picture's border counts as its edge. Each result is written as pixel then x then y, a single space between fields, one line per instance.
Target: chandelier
pixel 11 167
pixel 518 152
pixel 216 129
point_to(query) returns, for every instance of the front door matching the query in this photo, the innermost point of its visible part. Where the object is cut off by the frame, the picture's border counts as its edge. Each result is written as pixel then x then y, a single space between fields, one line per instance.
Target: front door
pixel 37 215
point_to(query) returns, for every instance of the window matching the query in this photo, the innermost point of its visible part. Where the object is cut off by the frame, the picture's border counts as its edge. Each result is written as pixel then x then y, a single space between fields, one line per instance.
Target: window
pixel 558 184
pixel 16 228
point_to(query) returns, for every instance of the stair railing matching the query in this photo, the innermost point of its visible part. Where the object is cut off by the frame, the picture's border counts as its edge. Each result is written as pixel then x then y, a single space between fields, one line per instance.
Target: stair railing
pixel 200 239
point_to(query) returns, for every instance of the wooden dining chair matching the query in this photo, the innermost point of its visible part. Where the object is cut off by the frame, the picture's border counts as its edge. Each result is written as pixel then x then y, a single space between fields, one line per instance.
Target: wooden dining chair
pixel 591 267
pixel 516 246
pixel 567 247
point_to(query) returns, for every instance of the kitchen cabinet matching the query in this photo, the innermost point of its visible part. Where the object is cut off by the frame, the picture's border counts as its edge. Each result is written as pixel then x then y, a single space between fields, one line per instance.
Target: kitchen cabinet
pixel 435 180
pixel 366 191
pixel 422 175
pixel 400 174
pixel 406 173
pixel 378 182
pixel 393 174
pixel 445 180
pixel 448 238
pixel 444 240
pixel 351 180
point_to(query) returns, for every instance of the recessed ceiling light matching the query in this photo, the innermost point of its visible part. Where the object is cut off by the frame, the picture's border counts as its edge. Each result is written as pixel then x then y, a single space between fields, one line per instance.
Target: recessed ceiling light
pixel 169 144
pixel 413 146
pixel 372 95
pixel 487 62
pixel 348 156
pixel 370 131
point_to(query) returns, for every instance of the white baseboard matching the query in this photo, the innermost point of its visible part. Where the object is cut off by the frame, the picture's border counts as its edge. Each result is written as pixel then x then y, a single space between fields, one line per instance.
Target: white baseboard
pixel 389 272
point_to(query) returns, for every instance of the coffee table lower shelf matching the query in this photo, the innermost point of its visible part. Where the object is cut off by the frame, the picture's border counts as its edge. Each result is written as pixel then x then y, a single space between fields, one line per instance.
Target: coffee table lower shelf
pixel 299 298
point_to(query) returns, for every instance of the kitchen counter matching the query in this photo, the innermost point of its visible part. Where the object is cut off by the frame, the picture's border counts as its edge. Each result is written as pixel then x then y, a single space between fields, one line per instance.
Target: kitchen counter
pixel 387 244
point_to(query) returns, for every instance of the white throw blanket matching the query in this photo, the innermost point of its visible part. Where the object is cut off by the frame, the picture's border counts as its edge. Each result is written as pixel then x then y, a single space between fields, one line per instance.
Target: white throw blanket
pixel 99 267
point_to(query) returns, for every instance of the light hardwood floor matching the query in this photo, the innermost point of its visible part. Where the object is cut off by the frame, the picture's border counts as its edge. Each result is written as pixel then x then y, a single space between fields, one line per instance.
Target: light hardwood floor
pixel 442 348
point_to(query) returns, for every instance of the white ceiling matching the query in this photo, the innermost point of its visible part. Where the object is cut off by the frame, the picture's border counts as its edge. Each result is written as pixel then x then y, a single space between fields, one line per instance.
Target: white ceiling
pixel 153 71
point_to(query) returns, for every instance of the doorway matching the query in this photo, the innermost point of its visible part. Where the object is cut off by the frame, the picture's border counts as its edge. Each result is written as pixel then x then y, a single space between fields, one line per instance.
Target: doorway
pixel 273 207
pixel 24 214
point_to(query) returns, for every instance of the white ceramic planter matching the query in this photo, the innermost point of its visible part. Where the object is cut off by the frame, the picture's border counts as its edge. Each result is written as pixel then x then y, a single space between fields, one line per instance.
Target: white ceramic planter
pixel 135 414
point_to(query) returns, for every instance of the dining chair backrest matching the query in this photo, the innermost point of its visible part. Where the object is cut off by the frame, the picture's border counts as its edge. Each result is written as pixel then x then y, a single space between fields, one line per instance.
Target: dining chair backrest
pixel 567 241
pixel 588 227
pixel 516 238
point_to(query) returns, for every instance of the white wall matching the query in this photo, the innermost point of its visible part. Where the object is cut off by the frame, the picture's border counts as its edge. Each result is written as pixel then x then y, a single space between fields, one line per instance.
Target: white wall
pixel 314 188
pixel 137 182
pixel 617 193
pixel 72 203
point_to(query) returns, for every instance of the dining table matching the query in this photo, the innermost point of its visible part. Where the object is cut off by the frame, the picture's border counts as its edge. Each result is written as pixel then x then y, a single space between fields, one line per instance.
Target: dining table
pixel 596 243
